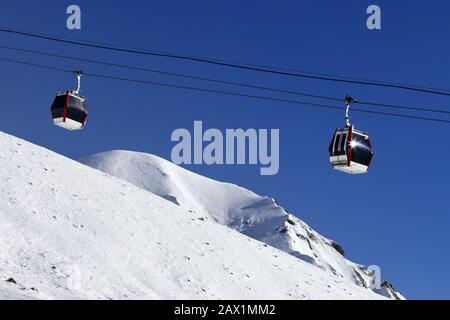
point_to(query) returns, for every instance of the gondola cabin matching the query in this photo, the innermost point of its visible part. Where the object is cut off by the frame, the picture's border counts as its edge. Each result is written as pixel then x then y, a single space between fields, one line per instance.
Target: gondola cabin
pixel 350 151
pixel 69 111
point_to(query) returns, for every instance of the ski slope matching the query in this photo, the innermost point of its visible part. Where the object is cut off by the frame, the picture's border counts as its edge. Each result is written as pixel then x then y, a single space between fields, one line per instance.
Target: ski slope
pixel 259 217
pixel 69 231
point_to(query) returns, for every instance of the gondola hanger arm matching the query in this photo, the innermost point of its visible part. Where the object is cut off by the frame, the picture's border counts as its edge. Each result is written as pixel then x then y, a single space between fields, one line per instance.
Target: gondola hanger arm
pixel 78 74
pixel 348 101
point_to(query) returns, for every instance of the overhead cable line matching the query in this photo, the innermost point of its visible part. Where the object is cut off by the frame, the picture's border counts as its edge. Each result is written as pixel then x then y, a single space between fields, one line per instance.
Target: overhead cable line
pixel 222 92
pixel 229 64
pixel 221 60
pixel 394 106
pixel 181 75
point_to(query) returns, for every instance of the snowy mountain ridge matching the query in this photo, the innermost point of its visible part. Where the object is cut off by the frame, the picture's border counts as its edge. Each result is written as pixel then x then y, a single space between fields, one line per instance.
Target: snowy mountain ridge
pixel 72 232
pixel 259 217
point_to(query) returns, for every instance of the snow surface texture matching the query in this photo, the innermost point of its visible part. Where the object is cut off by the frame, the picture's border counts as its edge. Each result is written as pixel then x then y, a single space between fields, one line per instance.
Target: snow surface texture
pixel 242 210
pixel 68 231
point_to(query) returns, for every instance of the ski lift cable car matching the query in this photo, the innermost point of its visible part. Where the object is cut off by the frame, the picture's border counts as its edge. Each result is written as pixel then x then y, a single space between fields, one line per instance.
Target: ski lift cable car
pixel 350 150
pixel 69 109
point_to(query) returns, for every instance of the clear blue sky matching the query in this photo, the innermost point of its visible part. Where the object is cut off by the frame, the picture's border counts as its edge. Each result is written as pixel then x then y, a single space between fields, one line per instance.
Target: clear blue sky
pixel 397 216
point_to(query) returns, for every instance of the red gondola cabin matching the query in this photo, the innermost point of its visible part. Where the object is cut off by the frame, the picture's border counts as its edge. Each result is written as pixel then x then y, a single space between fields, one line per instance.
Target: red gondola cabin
pixel 69 111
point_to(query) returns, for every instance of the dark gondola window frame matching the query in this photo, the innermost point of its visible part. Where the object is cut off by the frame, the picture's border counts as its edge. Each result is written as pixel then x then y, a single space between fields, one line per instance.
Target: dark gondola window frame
pixel 58 112
pixel 76 108
pixel 362 153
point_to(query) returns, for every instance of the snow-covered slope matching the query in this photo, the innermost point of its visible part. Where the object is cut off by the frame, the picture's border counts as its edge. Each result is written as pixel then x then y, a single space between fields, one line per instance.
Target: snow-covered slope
pixel 69 231
pixel 242 210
